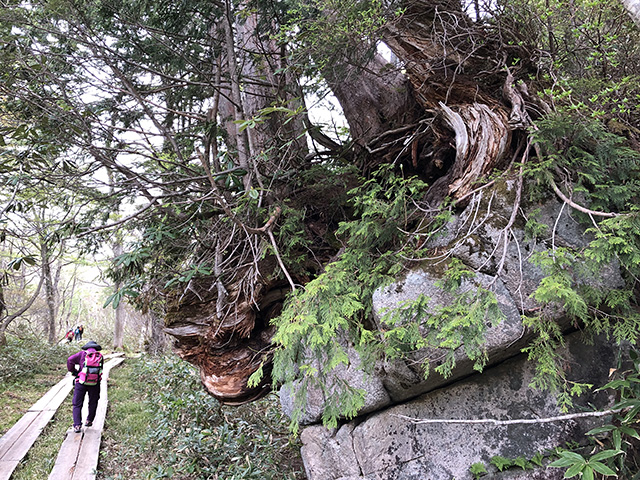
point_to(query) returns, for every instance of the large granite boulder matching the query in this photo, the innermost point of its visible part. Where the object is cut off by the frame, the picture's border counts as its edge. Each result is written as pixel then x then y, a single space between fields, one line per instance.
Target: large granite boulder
pixel 383 442
pixel 389 445
pixel 476 237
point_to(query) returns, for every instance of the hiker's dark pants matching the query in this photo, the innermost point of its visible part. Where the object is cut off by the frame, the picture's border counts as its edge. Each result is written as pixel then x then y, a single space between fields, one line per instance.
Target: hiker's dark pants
pixel 79 391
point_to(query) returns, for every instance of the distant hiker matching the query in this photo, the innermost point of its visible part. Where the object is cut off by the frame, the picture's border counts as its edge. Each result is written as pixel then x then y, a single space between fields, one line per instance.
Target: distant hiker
pixel 76 333
pixel 86 367
pixel 80 332
pixel 69 336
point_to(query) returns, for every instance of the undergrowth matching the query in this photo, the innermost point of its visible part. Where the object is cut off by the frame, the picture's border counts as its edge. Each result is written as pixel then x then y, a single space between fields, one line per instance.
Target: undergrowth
pixel 28 369
pixel 21 359
pixel 162 424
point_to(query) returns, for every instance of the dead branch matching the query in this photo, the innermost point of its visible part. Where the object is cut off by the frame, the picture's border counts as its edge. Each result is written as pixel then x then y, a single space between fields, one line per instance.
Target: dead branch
pixel 518 118
pixel 119 222
pixel 514 212
pixel 519 421
pixel 580 208
pixel 277 254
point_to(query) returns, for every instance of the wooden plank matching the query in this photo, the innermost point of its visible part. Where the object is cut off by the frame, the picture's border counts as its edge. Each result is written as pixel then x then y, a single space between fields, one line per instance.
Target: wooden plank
pixel 15 444
pixel 46 398
pixel 6 468
pixel 54 397
pixel 59 398
pixel 67 456
pixel 22 445
pixel 11 437
pixel 114 355
pixel 87 464
pixel 78 456
pixel 113 363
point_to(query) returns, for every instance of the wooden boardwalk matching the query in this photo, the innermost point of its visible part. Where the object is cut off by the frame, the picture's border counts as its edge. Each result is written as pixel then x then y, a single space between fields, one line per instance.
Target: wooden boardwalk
pixel 78 456
pixel 15 444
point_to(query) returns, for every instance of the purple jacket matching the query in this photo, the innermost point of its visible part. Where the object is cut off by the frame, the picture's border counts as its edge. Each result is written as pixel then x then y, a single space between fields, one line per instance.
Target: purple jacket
pixel 77 359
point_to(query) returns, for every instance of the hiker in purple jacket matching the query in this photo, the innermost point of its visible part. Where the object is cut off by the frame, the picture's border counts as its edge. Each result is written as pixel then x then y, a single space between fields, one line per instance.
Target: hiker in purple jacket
pixel 74 364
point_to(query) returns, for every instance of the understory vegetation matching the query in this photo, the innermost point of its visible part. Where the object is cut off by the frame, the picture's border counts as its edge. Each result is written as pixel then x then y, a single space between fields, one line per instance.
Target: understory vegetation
pixel 28 368
pixel 161 425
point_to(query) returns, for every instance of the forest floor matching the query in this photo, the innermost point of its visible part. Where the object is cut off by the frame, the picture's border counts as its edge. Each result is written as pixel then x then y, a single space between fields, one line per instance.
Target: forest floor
pixel 160 424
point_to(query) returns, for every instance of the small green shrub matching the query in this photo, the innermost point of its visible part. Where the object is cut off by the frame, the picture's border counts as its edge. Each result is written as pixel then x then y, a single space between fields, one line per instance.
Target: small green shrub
pixel 501 463
pixel 614 447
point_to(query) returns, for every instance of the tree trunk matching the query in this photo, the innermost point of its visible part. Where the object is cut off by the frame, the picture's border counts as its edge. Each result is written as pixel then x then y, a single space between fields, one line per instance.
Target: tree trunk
pixel 49 291
pixel 3 325
pixel 221 323
pixel 240 136
pixel 375 98
pixel 156 340
pixel 266 87
pixel 6 320
pixel 67 303
pixel 395 116
pixel 118 327
pixel 3 334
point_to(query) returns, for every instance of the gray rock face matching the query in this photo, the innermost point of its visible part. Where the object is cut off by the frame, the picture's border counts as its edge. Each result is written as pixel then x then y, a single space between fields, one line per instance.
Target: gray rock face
pixel 405 379
pixel 476 237
pixel 376 396
pixel 389 445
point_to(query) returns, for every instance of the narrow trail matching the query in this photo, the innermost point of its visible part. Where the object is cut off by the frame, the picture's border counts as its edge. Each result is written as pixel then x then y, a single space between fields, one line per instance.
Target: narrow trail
pixel 78 455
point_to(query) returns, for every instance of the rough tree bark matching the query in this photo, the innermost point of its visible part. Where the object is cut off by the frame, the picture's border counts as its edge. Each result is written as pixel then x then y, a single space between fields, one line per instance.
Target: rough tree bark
pixel 155 336
pixel 240 136
pixel 446 81
pixel 224 329
pixel 118 325
pixel 3 325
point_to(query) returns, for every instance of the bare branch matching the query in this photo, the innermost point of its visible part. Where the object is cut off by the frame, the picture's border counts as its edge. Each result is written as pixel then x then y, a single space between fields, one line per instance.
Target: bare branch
pixel 580 208
pixel 519 421
pixel 10 318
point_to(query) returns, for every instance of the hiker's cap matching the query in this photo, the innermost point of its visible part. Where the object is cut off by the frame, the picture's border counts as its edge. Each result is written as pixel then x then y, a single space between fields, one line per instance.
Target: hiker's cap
pixel 93 345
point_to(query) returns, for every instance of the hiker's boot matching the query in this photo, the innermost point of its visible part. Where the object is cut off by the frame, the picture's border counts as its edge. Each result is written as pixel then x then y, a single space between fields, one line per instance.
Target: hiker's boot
pixel 77 428
pixel 88 424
